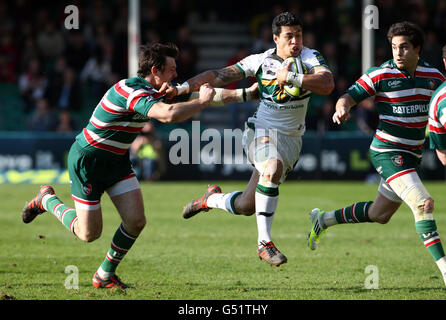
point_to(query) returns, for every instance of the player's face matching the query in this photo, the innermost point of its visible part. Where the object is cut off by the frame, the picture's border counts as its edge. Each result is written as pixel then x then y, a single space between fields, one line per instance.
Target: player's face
pixel 404 53
pixel 169 72
pixel 289 42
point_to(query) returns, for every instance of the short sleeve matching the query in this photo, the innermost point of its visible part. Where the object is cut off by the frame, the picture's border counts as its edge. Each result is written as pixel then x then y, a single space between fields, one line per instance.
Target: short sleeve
pixel 250 65
pixel 142 100
pixel 312 58
pixel 363 88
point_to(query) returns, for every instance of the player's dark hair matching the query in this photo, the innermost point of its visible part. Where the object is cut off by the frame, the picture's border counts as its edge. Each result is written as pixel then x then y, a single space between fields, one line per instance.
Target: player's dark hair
pixel 285 19
pixel 155 55
pixel 408 29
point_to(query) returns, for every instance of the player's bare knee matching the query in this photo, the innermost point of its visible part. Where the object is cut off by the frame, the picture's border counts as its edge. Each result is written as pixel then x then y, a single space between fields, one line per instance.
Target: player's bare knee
pixel 89 236
pixel 383 219
pixel 136 225
pixel 248 212
pixel 245 206
pixel 379 214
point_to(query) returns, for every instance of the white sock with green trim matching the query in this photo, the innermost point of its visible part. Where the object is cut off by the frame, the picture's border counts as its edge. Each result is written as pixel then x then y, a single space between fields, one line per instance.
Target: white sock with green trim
pixel 329 219
pixel 267 198
pixel 224 201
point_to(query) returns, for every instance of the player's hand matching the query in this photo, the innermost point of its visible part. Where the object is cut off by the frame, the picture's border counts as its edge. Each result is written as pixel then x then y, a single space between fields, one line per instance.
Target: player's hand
pixel 170 90
pixel 282 74
pixel 206 94
pixel 341 115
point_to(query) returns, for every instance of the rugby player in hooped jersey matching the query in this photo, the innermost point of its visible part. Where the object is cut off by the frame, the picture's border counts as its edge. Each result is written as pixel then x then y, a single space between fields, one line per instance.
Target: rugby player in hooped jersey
pixel 273 135
pixel 437 119
pixel 402 88
pixel 99 162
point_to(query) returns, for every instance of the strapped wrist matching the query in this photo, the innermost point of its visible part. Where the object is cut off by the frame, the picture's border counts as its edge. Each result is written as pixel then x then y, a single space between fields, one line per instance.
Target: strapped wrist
pixel 183 88
pixel 295 78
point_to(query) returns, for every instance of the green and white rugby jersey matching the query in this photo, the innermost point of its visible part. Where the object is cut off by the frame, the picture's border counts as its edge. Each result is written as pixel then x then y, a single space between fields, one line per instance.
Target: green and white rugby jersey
pixel 277 110
pixel 402 103
pixel 437 119
pixel 120 116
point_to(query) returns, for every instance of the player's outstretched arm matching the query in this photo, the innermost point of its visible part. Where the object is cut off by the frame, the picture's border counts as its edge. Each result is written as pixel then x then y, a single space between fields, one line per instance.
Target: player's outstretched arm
pixel 229 96
pixel 343 106
pixel 216 78
pixel 181 111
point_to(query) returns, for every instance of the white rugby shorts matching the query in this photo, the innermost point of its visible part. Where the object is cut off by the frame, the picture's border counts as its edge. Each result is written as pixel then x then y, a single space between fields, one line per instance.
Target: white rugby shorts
pixel 283 147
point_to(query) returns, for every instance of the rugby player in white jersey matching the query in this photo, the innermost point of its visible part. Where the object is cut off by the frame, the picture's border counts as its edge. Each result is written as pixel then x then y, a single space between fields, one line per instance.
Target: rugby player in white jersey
pixel 402 88
pixel 273 135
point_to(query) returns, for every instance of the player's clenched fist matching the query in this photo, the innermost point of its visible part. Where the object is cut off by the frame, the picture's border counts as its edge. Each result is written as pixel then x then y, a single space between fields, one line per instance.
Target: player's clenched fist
pixel 206 93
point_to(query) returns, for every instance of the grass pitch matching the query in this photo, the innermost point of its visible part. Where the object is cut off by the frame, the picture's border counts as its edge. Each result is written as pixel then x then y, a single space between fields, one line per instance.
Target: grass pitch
pixel 213 256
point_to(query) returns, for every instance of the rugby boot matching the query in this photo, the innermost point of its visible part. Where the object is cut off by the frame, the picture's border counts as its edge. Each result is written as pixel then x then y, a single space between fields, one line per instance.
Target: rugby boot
pixel 200 204
pixel 34 207
pixel 271 254
pixel 109 283
pixel 317 230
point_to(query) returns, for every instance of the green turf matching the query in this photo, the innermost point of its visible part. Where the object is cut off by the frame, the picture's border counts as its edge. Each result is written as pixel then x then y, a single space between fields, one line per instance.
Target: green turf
pixel 213 255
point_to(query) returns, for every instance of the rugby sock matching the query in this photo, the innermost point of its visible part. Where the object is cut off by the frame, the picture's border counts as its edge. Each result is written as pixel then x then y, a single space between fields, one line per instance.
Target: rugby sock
pixel 121 243
pixel 267 197
pixel 65 214
pixel 224 201
pixel 356 213
pixel 441 263
pixel 427 231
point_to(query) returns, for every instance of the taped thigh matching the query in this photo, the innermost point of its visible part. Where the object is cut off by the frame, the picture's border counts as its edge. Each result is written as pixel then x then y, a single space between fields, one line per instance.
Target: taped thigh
pixel 410 188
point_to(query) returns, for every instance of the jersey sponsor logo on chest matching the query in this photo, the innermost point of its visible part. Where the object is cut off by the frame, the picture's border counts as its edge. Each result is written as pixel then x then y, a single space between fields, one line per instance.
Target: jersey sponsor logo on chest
pixel 394 83
pixel 283 107
pixel 416 108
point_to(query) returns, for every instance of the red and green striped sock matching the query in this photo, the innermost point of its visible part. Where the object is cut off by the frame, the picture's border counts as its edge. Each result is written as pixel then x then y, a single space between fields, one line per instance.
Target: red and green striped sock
pixel 121 243
pixel 62 212
pixel 427 231
pixel 356 213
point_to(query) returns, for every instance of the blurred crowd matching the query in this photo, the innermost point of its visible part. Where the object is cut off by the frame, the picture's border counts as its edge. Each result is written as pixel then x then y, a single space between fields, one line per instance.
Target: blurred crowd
pixel 62 73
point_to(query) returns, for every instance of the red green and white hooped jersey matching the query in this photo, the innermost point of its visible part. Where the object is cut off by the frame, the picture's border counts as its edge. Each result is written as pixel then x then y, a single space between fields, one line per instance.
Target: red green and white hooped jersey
pixel 277 110
pixel 120 116
pixel 437 119
pixel 402 103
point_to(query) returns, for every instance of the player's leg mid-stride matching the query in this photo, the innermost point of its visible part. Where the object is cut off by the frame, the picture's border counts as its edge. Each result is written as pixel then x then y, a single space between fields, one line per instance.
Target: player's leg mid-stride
pixel 47 200
pixel 214 198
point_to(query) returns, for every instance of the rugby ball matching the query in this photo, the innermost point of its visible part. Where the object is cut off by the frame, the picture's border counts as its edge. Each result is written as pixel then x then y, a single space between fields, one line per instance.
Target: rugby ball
pixel 297 67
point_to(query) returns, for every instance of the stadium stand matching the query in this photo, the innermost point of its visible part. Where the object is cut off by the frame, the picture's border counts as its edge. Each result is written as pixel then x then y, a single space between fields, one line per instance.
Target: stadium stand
pixel 214 30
